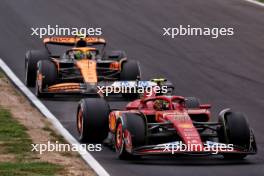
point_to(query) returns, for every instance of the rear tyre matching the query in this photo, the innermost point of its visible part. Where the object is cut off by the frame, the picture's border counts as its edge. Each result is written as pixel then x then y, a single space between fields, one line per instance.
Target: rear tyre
pixel 130 72
pixel 46 76
pixel 133 127
pixel 235 130
pixel 31 60
pixel 192 102
pixel 92 120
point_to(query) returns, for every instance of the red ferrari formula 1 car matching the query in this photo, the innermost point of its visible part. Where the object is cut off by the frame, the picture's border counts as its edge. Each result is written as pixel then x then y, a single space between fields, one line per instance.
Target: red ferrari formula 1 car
pixel 165 125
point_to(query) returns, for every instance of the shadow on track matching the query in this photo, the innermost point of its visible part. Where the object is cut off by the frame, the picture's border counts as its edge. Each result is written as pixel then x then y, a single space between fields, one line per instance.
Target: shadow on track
pixel 190 161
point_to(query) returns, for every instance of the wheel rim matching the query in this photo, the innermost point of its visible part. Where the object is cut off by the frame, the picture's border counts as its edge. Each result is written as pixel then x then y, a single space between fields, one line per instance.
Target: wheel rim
pixel 119 136
pixel 80 121
pixel 38 91
pixel 37 86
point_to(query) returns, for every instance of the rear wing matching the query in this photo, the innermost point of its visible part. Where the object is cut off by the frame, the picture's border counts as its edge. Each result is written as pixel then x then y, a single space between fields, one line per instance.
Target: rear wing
pixel 71 41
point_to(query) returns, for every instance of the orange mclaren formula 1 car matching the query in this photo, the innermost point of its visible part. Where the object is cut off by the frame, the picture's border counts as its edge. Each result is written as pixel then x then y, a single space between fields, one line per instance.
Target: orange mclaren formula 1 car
pixel 165 125
pixel 74 65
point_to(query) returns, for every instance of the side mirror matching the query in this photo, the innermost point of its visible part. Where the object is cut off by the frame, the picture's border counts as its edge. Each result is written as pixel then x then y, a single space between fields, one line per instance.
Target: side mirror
pixel 205 106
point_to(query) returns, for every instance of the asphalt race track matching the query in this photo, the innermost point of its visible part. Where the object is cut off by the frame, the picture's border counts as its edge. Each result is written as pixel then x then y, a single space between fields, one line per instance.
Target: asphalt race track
pixel 227 72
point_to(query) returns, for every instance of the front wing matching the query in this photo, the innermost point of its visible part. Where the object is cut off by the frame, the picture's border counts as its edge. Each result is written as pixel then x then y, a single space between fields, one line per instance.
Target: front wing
pixel 99 89
pixel 208 148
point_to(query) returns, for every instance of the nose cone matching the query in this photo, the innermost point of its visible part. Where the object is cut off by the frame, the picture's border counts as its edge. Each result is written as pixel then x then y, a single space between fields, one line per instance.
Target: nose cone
pixel 88 70
pixel 186 130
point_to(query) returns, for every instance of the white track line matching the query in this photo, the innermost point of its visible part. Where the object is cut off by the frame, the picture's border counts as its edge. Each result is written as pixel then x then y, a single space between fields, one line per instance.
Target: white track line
pixel 89 159
pixel 256 2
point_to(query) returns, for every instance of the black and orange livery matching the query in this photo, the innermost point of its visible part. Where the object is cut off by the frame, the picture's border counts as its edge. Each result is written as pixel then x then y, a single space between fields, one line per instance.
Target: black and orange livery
pixel 55 70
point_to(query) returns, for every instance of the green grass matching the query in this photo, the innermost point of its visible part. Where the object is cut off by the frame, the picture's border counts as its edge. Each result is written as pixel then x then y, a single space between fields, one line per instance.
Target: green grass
pixel 15 140
pixel 13 136
pixel 261 0
pixel 28 169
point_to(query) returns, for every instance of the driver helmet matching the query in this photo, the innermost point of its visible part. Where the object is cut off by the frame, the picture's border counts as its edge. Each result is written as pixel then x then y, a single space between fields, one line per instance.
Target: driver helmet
pixel 160 105
pixel 78 55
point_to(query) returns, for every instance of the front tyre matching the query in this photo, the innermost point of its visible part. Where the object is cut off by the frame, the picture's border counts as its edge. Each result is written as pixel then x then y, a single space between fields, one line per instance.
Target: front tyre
pixel 234 130
pixel 46 76
pixel 130 133
pixel 31 59
pixel 92 120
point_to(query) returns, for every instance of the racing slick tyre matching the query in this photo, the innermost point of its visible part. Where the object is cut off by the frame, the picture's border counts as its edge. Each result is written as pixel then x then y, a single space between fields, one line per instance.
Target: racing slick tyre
pixel 31 60
pixel 130 133
pixel 192 102
pixel 130 71
pixel 92 120
pixel 46 76
pixel 234 130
